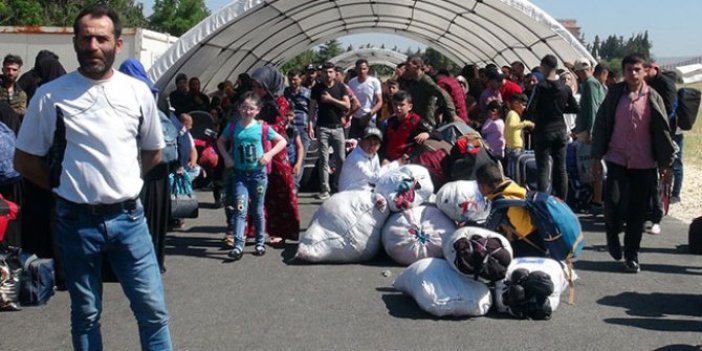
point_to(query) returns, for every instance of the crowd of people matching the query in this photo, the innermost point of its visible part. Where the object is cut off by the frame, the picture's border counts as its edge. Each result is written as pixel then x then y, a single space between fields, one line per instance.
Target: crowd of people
pixel 92 154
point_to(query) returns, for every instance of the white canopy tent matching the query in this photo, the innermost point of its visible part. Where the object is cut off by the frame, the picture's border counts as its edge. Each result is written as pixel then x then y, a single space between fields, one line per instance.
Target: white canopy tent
pixel 374 56
pixel 248 33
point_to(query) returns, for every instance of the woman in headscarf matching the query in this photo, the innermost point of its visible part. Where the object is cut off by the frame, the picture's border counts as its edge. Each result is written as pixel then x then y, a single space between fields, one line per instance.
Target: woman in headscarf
pixel 156 194
pixel 283 221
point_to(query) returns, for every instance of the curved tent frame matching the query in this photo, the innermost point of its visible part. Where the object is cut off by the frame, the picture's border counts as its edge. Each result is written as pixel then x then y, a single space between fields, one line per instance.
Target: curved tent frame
pixel 375 56
pixel 249 33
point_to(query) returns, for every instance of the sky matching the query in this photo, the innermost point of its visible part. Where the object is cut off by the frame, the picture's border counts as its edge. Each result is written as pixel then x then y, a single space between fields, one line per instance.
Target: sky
pixel 672 24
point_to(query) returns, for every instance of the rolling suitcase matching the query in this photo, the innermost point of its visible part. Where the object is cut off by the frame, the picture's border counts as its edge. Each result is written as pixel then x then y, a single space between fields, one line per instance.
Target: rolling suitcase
pixel 527 172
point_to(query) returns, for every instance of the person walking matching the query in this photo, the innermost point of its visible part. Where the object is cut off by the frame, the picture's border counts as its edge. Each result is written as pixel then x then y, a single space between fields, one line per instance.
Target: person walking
pixel 632 134
pixel 101 132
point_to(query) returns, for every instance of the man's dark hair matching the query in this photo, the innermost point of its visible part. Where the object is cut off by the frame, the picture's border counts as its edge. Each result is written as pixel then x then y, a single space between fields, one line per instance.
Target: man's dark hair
pixel 328 65
pixel 633 59
pixel 491 66
pixel 11 59
pixel 294 72
pixel 417 60
pixel 402 96
pixel 490 175
pixel 468 71
pixel 520 98
pixel 100 11
pixel 601 68
pixel 549 61
pixel 401 64
pixel 361 61
pixel 391 81
pixel 518 63
pixel 194 79
pixel 443 72
pixel 181 76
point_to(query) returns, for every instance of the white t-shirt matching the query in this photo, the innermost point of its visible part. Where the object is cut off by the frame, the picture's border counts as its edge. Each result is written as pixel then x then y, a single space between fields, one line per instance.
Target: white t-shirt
pixel 100 164
pixel 365 93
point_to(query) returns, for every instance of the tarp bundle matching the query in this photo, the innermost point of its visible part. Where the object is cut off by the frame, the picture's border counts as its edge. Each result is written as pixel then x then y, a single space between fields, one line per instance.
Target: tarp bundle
pixel 462 201
pixel 405 187
pixel 440 290
pixel 532 289
pixel 346 228
pixel 478 253
pixel 416 233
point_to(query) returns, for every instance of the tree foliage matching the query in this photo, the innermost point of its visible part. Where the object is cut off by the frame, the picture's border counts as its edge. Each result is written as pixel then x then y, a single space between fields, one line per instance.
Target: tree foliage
pixel 177 16
pixel 63 12
pixel 329 50
pixel 615 47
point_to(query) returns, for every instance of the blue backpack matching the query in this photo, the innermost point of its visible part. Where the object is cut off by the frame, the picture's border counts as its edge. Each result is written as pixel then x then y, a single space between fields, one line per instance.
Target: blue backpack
pixel 8 175
pixel 170 135
pixel 555 222
pixel 37 280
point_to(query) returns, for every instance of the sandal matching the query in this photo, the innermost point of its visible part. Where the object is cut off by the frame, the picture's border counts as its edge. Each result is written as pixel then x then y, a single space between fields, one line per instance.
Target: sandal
pixel 276 241
pixel 260 250
pixel 228 241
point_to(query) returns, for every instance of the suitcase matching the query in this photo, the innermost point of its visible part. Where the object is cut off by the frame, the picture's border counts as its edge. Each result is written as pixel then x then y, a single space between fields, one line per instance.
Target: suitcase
pixel 527 172
pixel 695 236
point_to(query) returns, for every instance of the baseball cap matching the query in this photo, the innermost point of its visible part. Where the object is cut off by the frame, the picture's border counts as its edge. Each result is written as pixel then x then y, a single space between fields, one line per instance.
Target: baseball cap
pixel 310 67
pixel 494 74
pixel 581 64
pixel 372 132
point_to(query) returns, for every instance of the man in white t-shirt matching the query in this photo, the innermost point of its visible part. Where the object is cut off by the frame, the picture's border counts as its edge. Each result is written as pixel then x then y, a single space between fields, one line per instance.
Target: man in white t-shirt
pixel 369 92
pixel 95 125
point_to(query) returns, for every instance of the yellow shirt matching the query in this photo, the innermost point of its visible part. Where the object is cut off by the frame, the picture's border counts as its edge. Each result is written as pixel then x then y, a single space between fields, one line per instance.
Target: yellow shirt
pixel 513 130
pixel 520 223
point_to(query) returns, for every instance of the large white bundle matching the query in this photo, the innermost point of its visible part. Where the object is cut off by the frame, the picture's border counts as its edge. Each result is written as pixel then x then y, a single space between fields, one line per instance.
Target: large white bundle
pixel 408 185
pixel 462 201
pixel 467 233
pixel 416 233
pixel 440 290
pixel 551 267
pixel 346 228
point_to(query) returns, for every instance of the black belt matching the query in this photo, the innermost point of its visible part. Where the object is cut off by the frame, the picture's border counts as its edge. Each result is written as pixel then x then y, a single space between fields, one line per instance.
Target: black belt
pixel 105 209
pixel 331 126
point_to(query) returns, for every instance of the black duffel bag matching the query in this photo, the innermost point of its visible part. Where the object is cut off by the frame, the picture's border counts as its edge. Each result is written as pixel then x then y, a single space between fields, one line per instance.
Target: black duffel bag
pixel 183 201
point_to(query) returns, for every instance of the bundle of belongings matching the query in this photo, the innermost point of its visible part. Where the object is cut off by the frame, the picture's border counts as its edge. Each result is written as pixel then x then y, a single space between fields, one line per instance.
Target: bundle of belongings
pixel 416 233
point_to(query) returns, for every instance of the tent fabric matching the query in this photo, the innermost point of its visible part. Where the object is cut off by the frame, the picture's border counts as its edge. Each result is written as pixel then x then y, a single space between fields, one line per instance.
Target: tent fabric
pixel 374 56
pixel 249 33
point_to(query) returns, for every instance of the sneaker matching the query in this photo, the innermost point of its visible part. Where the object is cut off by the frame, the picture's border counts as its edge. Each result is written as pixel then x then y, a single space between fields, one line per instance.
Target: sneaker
pixel 235 254
pixel 322 196
pixel 632 266
pixel 655 229
pixel 260 250
pixel 675 200
pixel 596 209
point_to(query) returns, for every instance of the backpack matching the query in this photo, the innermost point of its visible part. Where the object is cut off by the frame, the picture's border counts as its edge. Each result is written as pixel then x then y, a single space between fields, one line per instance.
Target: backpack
pixel 8 175
pixel 170 136
pixel 37 280
pixel 688 106
pixel 556 223
pixel 468 154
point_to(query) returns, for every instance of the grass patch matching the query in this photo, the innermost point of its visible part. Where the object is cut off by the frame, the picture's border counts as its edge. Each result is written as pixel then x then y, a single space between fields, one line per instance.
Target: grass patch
pixel 692 146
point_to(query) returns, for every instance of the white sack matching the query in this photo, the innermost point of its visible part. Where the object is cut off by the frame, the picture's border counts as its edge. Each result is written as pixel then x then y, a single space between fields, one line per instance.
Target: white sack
pixel 390 185
pixel 467 233
pixel 440 290
pixel 462 201
pixel 553 268
pixel 416 233
pixel 346 228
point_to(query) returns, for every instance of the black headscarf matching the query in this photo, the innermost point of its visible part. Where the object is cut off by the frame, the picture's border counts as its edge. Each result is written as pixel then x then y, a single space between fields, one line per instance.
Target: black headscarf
pixel 9 117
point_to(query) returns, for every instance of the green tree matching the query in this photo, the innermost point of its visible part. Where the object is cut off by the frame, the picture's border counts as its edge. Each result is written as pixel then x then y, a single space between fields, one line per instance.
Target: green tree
pixel 177 16
pixel 300 61
pixel 63 12
pixel 328 50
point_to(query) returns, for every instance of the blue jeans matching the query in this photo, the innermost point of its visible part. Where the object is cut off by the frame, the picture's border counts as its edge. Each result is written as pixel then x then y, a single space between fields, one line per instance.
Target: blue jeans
pixel 678 167
pixel 305 146
pixel 82 238
pixel 249 185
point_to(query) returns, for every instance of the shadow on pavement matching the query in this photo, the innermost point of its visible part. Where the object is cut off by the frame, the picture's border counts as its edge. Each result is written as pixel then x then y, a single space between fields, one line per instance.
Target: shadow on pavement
pixel 612 266
pixel 680 347
pixel 660 325
pixel 400 305
pixel 657 304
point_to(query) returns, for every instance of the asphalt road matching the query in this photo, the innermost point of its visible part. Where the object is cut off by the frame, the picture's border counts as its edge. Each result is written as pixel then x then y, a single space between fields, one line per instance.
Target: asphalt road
pixel 273 303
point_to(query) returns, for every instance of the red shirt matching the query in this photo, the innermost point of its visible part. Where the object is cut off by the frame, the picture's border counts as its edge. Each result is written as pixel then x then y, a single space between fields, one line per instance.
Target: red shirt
pixel 458 96
pixel 631 145
pixel 399 134
pixel 508 89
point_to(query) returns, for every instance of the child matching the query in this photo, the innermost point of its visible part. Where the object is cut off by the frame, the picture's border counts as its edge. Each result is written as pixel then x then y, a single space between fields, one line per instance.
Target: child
pixel 519 229
pixel 362 166
pixel 192 168
pixel 296 150
pixel 493 130
pixel 513 132
pixel 403 130
pixel 391 87
pixel 250 178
